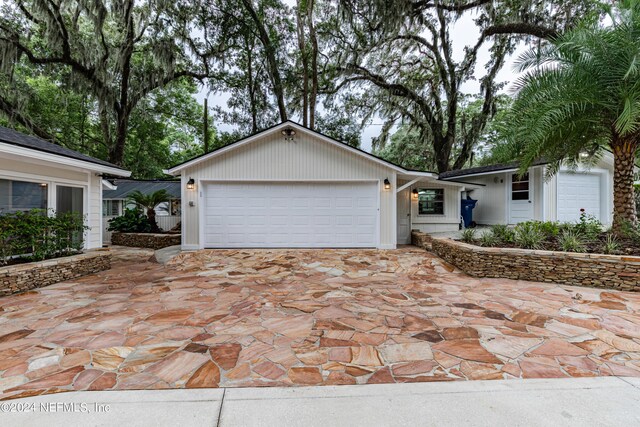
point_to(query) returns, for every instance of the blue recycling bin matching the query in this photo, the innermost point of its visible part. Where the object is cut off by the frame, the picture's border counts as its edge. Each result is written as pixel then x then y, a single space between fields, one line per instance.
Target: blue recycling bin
pixel 467 211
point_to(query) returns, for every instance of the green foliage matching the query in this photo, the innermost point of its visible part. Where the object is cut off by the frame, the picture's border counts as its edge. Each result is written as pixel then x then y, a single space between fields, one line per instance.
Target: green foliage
pixel 502 233
pixel 588 225
pixel 611 245
pixel 571 241
pixel 132 221
pixel 468 235
pixel 36 236
pixel 529 235
pixel 489 239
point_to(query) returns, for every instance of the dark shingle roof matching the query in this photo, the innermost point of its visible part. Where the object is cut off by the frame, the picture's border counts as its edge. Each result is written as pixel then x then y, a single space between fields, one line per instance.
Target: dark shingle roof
pixel 127 186
pixel 13 137
pixel 486 169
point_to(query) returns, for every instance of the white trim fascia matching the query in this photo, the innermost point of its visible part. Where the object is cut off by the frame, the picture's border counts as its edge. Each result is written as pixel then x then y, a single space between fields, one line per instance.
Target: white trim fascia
pixel 407 185
pixel 60 160
pixel 175 170
pixel 108 185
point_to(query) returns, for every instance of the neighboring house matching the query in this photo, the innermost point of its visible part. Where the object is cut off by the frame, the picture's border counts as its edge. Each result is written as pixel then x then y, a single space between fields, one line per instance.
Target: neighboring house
pixel 506 198
pixel 289 186
pixel 36 174
pixel 115 199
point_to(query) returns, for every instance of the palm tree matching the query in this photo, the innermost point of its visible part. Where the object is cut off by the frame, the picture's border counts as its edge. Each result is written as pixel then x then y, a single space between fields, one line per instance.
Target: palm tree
pixel 149 203
pixel 581 94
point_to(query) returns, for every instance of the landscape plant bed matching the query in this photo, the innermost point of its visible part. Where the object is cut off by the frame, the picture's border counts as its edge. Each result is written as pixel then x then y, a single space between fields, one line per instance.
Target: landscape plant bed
pixel 587 235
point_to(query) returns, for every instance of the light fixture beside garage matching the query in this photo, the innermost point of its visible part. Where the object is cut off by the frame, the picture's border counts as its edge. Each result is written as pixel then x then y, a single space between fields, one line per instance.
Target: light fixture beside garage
pixel 288 134
pixel 387 184
pixel 415 193
pixel 191 184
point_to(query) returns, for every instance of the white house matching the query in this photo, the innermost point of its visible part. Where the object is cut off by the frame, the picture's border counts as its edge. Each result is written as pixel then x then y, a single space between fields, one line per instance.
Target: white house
pixel 36 174
pixel 288 186
pixel 506 198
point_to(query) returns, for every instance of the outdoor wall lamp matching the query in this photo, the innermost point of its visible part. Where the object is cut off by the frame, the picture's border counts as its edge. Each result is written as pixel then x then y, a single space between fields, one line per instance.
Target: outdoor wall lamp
pixel 191 184
pixel 387 184
pixel 414 193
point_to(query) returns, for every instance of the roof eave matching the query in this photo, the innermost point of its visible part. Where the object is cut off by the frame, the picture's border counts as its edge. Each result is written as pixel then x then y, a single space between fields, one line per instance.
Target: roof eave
pixel 61 160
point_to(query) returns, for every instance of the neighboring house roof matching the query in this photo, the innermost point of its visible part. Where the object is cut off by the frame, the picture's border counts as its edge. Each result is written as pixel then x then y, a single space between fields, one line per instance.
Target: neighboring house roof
pixel 175 170
pixel 501 167
pixel 15 138
pixel 124 187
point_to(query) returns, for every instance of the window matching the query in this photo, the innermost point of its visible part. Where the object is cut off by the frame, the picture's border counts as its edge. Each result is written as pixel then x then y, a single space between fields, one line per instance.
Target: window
pixel 520 187
pixel 22 196
pixel 69 199
pixel 430 201
pixel 110 207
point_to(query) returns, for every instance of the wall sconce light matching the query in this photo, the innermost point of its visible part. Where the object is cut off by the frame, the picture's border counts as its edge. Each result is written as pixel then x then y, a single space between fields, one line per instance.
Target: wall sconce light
pixel 387 184
pixel 43 184
pixel 414 193
pixel 191 184
pixel 288 134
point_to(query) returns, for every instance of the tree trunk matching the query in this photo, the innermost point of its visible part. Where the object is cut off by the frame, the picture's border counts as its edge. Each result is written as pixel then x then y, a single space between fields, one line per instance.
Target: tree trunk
pixel 624 207
pixel 116 154
pixel 151 214
pixel 305 66
pixel 314 66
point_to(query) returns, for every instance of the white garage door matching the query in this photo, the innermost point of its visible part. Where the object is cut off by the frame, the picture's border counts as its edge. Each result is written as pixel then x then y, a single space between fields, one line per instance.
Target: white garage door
pixel 275 215
pixel 578 191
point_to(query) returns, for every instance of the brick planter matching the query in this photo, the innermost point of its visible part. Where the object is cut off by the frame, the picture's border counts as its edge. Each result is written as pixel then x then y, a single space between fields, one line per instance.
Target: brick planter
pixel 145 240
pixel 595 270
pixel 23 277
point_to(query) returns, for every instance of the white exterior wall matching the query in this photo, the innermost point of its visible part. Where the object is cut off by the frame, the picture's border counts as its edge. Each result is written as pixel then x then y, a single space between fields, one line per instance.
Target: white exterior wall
pixel 450 221
pixel 13 167
pixel 271 158
pixel 492 198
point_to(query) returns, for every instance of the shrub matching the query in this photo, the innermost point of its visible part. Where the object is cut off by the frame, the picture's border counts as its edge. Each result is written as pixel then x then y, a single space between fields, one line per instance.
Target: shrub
pixel 132 221
pixel 39 234
pixel 631 231
pixel 571 241
pixel 503 233
pixel 550 229
pixel 529 235
pixel 489 239
pixel 468 235
pixel 611 245
pixel 588 225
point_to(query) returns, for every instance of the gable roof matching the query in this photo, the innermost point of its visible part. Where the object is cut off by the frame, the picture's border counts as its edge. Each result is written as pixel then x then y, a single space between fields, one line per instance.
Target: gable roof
pixel 174 170
pixel 19 139
pixel 124 187
pixel 499 167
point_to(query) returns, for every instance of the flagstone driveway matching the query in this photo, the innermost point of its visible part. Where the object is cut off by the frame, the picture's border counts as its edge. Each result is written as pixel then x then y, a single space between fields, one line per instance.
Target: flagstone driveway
pixel 233 318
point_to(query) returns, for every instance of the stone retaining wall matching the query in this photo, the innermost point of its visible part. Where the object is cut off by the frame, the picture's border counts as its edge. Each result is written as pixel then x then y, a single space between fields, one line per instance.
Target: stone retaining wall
pixel 22 277
pixel 596 270
pixel 146 240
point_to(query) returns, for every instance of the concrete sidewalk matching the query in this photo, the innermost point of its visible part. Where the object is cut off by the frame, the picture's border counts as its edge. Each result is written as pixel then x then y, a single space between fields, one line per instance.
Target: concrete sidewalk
pixel 608 401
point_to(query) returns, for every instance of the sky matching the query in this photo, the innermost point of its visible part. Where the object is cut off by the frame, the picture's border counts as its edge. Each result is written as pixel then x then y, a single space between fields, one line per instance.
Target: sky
pixel 464 33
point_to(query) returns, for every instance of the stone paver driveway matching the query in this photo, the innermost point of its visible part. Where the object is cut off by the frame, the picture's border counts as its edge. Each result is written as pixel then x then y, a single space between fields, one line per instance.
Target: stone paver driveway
pixel 304 317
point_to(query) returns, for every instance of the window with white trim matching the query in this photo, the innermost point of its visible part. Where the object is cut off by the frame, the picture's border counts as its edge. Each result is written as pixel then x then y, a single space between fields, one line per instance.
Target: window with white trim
pixel 430 201
pixel 22 196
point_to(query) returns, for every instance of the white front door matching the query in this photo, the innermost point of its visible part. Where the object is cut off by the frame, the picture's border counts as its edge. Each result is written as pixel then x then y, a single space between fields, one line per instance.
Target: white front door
pixel 520 199
pixel 290 214
pixel 578 191
pixel 404 217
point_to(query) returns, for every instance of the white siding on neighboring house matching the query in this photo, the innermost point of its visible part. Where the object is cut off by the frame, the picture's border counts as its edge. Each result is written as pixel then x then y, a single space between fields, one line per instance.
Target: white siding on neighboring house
pixel 271 158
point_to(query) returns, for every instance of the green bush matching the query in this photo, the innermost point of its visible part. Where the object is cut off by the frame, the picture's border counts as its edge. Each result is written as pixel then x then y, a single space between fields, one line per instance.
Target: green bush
pixel 502 233
pixel 489 239
pixel 468 235
pixel 35 235
pixel 611 245
pixel 529 235
pixel 588 225
pixel 550 229
pixel 571 241
pixel 132 221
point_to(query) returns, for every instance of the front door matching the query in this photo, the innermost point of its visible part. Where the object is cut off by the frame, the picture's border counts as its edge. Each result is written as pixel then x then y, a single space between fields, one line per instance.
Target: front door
pixel 404 217
pixel 521 199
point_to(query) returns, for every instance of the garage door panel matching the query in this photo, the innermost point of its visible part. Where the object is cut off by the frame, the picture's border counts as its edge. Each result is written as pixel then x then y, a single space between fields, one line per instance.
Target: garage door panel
pixel 290 214
pixel 578 191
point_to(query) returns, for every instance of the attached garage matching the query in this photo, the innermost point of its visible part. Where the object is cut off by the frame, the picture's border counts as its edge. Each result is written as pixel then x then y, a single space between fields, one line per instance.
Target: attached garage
pixel 579 191
pixel 290 214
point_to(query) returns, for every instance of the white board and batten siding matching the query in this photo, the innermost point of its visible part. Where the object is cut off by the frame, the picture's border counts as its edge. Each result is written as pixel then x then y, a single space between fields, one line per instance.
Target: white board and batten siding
pixel 449 221
pixel 14 168
pixel 307 167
